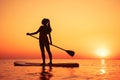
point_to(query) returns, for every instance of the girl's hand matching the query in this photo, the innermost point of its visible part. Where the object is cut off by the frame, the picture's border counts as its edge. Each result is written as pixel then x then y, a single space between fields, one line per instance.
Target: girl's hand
pixel 50 43
pixel 28 34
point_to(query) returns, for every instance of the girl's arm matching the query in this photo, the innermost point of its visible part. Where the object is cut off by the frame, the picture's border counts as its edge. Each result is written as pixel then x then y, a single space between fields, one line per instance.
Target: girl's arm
pixel 50 38
pixel 33 32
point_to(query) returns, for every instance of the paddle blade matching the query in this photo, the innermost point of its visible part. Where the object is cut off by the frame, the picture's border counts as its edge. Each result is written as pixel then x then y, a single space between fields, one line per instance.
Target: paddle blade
pixel 71 53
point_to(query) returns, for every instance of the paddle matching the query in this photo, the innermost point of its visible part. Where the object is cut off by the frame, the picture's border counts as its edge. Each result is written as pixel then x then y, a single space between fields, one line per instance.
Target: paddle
pixel 71 53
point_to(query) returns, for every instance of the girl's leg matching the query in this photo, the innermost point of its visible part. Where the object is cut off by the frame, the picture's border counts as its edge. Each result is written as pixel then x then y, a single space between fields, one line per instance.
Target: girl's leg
pixel 42 52
pixel 49 52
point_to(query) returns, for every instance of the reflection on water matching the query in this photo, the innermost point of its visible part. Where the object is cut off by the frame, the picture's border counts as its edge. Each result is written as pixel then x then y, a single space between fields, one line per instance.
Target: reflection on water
pixel 46 75
pixel 103 66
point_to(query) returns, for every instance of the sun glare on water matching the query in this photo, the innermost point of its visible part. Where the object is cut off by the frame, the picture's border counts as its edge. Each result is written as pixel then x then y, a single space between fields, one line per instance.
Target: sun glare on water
pixel 102 52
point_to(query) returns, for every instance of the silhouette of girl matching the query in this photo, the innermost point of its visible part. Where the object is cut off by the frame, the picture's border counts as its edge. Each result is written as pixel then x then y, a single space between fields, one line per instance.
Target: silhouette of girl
pixel 44 38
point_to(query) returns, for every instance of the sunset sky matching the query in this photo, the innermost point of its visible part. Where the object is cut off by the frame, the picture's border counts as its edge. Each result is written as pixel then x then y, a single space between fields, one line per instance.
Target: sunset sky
pixel 91 28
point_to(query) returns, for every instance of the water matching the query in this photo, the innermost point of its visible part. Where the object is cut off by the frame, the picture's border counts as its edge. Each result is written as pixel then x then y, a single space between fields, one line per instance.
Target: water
pixel 88 70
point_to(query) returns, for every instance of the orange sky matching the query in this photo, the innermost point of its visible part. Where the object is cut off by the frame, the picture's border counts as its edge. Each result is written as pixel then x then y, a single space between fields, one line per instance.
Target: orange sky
pixel 84 26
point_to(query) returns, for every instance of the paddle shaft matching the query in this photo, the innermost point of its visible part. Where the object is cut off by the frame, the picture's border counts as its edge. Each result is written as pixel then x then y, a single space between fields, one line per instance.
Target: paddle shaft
pixel 50 44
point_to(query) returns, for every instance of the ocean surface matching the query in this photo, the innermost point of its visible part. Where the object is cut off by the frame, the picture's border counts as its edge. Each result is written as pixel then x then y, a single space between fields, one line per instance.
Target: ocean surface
pixel 87 70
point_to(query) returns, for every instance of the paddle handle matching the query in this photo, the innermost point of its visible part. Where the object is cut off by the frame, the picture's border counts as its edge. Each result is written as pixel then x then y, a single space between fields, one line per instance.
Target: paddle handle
pixel 58 47
pixel 34 36
pixel 50 44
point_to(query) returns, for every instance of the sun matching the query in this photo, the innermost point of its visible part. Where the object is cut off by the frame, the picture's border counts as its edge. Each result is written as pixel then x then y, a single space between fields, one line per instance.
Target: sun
pixel 102 52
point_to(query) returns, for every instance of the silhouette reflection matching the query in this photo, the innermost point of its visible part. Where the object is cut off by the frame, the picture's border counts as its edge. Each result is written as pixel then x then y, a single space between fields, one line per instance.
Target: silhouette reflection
pixel 46 75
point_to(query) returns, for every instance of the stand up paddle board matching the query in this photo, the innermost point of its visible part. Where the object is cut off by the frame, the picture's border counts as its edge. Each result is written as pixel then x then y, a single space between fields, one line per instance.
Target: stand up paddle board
pixel 23 63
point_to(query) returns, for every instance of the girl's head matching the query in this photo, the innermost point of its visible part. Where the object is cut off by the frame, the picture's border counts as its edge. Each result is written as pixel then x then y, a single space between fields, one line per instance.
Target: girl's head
pixel 45 21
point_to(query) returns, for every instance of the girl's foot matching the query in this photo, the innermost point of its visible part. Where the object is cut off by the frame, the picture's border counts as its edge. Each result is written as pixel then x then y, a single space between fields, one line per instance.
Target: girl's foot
pixel 50 63
pixel 43 63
